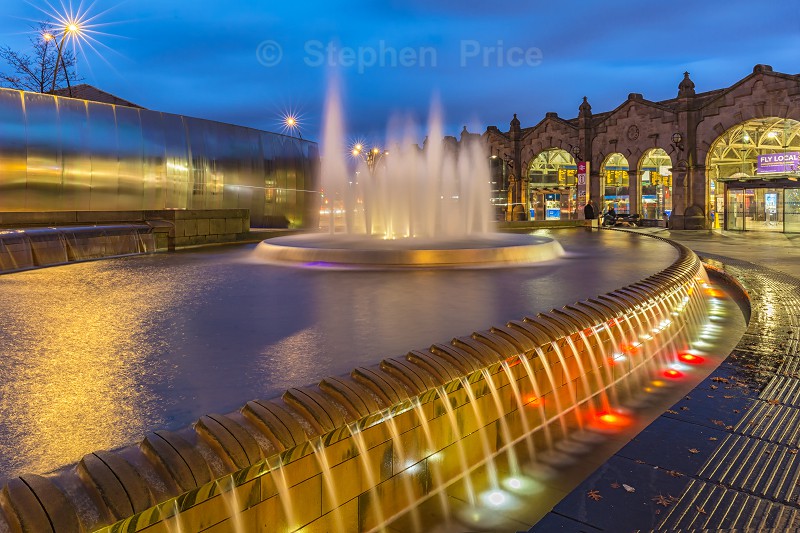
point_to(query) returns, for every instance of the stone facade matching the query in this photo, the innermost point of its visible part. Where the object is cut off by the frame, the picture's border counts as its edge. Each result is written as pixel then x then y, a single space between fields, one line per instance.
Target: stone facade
pixel 639 125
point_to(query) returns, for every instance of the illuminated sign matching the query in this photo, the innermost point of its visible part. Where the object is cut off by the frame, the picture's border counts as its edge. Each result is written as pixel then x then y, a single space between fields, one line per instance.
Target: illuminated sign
pixel 778 163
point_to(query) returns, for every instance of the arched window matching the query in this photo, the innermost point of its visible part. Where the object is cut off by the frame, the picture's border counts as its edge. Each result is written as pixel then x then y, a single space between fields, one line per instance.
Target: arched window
pixel 752 173
pixel 551 191
pixel 655 171
pixel 614 173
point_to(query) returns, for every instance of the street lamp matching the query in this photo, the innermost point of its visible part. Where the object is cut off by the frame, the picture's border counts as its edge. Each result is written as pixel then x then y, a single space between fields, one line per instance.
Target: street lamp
pixel 71 29
pixel 371 157
pixel 292 124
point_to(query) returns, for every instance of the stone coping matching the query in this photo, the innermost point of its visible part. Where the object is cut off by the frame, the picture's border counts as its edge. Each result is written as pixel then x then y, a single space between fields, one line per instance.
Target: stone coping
pixel 243 446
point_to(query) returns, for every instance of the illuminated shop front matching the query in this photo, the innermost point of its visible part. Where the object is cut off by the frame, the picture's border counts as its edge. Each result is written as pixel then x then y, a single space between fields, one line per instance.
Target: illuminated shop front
pixel 655 171
pixel 552 193
pixel 616 180
pixel 753 174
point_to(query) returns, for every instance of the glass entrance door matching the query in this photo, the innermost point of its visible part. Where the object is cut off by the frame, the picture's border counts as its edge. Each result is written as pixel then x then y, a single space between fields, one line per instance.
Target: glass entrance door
pixel 734 212
pixel 765 210
pixel 792 210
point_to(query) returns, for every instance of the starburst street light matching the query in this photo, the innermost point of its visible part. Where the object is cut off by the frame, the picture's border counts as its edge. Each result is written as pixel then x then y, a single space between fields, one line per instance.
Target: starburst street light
pixel 74 24
pixel 290 123
pixel 71 30
pixel 370 157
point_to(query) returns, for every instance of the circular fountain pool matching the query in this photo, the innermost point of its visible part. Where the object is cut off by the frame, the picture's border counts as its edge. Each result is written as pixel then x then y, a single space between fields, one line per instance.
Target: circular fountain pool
pixel 490 249
pixel 96 354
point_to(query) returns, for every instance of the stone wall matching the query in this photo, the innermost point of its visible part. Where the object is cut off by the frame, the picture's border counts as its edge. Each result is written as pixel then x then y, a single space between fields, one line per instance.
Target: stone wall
pixel 173 228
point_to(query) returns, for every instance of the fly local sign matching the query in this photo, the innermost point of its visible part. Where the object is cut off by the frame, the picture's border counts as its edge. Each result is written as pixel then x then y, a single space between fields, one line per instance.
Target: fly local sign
pixel 778 163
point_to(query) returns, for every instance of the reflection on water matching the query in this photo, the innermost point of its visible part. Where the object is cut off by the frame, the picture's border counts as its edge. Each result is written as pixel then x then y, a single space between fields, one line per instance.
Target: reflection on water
pixel 96 354
pixel 75 365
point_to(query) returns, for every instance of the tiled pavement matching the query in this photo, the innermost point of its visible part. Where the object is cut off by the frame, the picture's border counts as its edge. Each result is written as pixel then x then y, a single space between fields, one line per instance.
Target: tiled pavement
pixel 730 461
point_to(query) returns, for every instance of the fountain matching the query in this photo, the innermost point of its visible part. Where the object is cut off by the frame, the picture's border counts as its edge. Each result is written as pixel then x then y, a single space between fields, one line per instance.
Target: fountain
pixel 465 427
pixel 414 208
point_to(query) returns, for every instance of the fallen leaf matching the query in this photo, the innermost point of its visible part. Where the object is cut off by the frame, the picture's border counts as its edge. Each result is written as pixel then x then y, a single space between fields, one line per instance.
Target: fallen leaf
pixel 736 411
pixel 729 396
pixel 718 422
pixel 595 495
pixel 694 450
pixel 615 485
pixel 661 500
pixel 674 473
pixel 713 387
pixel 712 438
pixel 684 408
pixel 793 452
pixel 670 411
pixel 628 488
pixel 700 509
pixel 639 461
pixel 773 402
pixel 719 380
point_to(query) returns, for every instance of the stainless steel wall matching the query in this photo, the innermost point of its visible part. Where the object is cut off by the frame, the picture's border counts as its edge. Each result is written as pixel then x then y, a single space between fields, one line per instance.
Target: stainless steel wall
pixel 64 154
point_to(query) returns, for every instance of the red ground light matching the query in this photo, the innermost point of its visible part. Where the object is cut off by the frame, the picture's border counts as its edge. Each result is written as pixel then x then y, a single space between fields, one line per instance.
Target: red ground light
pixel 613 419
pixel 690 358
pixel 674 374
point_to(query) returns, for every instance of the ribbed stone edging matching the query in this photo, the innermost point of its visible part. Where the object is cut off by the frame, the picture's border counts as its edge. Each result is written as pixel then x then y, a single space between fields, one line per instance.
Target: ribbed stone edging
pixel 187 471
pixel 732 461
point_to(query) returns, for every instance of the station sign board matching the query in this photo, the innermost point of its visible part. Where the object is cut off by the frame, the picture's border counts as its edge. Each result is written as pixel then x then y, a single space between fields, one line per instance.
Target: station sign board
pixel 778 163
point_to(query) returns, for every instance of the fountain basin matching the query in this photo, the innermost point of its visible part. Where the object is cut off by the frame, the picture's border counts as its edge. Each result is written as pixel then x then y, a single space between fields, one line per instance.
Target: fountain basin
pixel 495 249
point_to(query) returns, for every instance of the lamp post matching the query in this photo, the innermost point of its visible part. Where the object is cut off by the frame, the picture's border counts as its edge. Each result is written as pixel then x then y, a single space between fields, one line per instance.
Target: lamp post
pixel 71 29
pixel 371 157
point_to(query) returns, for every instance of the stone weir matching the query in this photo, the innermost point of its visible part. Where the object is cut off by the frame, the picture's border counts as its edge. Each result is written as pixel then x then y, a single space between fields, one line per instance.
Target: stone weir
pixel 354 451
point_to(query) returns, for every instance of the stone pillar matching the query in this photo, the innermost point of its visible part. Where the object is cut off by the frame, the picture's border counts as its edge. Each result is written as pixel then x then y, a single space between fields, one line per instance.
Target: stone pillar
pixel 679 195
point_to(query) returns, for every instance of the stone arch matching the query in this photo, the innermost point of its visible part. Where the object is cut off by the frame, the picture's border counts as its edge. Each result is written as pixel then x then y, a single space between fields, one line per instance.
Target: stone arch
pixel 732 158
pixel 747 100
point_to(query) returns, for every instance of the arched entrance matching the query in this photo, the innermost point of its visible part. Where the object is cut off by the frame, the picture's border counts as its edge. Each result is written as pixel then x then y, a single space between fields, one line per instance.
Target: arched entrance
pixel 655 172
pixel 616 183
pixel 753 174
pixel 498 173
pixel 551 191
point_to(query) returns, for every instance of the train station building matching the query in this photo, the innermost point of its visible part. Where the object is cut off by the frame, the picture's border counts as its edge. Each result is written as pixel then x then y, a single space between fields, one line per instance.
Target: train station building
pixel 725 158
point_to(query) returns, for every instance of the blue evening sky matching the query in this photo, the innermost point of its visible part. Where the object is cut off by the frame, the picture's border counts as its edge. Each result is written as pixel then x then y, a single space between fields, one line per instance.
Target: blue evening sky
pixel 246 61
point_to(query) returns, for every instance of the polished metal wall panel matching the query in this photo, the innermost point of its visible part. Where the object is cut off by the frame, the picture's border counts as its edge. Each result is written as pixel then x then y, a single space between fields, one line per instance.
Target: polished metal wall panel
pixel 60 153
pixel 178 165
pixel 43 188
pixel 130 192
pixel 104 158
pixel 76 161
pixel 154 175
pixel 13 151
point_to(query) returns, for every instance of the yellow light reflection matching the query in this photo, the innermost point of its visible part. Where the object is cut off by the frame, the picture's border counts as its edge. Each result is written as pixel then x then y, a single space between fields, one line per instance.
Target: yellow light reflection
pixel 74 367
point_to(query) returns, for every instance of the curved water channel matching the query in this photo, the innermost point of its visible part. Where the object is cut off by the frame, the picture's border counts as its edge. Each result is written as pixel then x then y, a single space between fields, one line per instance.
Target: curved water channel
pixel 96 354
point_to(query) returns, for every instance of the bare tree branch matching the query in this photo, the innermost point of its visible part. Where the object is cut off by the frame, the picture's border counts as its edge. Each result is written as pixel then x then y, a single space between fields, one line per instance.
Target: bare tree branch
pixel 35 71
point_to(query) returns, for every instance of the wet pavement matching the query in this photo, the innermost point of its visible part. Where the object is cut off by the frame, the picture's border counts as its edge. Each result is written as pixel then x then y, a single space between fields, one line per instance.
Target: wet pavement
pixel 726 456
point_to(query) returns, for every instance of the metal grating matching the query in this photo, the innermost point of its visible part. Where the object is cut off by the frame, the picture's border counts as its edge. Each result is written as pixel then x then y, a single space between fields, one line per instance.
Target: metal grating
pixel 774 423
pixel 757 467
pixel 725 509
pixel 783 389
